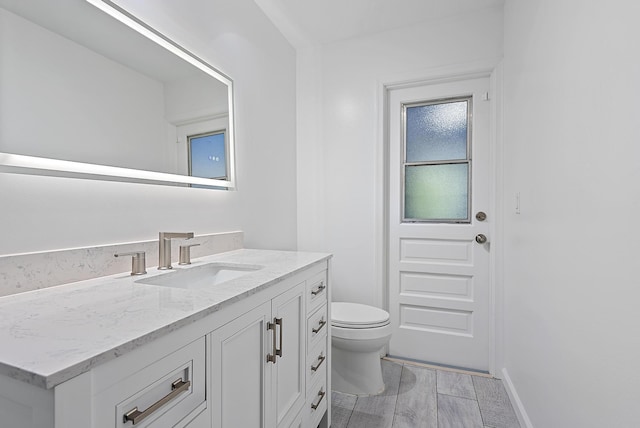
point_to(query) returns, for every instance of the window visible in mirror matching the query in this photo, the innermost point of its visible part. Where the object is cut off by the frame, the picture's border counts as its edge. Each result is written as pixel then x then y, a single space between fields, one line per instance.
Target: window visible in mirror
pixel 207 155
pixel 204 151
pixel 133 69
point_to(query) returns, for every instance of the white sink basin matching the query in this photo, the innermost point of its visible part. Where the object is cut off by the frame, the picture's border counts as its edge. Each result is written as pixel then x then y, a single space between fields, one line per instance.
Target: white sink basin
pixel 203 276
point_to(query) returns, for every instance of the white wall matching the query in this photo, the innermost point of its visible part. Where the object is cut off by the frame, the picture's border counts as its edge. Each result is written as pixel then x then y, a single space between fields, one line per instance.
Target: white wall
pixel 62 100
pixel 42 213
pixel 572 330
pixel 343 114
pixel 195 97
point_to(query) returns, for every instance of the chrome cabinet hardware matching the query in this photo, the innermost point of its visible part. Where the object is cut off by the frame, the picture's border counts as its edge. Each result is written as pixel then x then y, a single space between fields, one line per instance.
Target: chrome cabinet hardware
pixel 321 359
pixel 480 238
pixel 177 387
pixel 185 254
pixel 481 216
pixel 271 358
pixel 138 262
pixel 321 394
pixel 279 322
pixel 318 289
pixel 164 247
pixel 320 325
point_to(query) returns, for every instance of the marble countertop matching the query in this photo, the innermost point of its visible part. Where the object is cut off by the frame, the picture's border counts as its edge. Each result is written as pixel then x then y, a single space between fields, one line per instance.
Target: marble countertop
pixel 51 335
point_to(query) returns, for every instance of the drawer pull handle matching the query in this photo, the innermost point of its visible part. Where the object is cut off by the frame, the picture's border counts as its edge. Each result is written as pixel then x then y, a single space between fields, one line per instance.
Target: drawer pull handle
pixel 318 289
pixel 321 359
pixel 134 415
pixel 320 325
pixel 321 394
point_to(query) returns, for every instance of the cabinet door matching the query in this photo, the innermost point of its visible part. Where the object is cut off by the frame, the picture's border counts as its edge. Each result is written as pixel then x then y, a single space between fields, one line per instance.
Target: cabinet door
pixel 239 370
pixel 288 388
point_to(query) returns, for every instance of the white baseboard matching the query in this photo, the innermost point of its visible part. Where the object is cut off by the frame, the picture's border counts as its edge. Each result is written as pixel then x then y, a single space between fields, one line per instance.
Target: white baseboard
pixel 521 413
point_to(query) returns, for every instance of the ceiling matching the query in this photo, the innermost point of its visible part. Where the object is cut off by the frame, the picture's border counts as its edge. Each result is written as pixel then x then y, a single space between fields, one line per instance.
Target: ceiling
pixel 306 22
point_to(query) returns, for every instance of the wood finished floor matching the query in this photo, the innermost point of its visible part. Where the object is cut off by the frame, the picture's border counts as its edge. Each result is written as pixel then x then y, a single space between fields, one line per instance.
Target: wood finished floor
pixel 420 397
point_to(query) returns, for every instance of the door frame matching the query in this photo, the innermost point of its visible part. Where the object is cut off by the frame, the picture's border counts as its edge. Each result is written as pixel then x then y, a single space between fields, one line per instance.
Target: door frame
pixel 493 69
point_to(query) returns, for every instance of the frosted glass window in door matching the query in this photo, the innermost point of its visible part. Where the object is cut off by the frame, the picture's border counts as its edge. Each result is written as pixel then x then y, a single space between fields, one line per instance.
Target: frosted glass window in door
pixel 437 161
pixel 436 192
pixel 208 155
pixel 437 131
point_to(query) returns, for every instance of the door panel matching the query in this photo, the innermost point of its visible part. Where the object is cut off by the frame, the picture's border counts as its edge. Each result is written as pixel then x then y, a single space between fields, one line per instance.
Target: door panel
pixel 436 320
pixel 289 386
pixel 239 366
pixel 436 285
pixel 438 273
pixel 435 251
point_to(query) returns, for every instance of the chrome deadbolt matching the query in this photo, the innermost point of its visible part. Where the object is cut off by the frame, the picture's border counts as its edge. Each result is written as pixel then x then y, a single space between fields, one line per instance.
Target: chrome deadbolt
pixel 481 216
pixel 480 238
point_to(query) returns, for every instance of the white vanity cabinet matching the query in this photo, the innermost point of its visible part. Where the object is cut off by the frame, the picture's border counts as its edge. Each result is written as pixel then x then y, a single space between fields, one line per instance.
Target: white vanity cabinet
pixel 164 393
pixel 259 363
pixel 257 372
pixel 317 346
pixel 260 360
pixel 162 384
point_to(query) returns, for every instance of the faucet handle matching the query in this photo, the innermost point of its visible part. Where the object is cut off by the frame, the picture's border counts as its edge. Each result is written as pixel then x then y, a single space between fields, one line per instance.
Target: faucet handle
pixel 138 262
pixel 185 254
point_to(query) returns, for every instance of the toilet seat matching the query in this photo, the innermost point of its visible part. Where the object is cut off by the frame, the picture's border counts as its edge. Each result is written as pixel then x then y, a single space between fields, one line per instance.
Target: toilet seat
pixel 357 316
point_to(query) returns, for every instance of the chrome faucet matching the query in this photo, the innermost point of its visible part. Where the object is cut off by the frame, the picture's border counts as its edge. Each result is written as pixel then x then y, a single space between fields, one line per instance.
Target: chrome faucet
pixel 164 261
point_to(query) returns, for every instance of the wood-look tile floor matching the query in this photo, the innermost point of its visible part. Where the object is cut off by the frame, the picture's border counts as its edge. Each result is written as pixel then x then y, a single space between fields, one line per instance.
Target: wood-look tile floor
pixel 420 397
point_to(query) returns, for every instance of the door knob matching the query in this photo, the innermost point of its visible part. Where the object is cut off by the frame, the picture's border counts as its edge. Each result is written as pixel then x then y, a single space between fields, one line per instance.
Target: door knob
pixel 480 238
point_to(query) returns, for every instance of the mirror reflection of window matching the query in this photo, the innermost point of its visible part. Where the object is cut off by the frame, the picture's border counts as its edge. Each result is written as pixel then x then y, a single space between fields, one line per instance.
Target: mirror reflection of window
pixel 88 56
pixel 207 155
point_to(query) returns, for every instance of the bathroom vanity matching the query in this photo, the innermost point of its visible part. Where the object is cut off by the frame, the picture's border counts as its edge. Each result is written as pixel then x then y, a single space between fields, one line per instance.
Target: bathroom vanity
pixel 170 349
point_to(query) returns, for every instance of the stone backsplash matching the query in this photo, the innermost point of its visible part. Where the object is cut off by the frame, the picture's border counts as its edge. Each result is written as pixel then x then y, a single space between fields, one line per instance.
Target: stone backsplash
pixel 33 271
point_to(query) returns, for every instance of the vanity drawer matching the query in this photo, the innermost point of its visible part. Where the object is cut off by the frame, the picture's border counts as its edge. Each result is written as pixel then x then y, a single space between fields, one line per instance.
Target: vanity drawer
pixel 317 290
pixel 317 363
pixel 162 393
pixel 317 397
pixel 317 326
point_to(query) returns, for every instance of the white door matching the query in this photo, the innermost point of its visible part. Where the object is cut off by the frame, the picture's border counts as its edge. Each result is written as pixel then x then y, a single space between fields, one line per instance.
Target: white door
pixel 438 183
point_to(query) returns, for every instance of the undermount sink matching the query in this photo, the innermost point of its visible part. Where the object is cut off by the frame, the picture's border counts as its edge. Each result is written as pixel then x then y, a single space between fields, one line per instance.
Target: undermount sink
pixel 203 276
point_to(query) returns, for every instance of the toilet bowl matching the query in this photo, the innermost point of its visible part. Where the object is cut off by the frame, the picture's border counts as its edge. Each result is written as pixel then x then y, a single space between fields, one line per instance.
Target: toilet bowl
pixel 358 334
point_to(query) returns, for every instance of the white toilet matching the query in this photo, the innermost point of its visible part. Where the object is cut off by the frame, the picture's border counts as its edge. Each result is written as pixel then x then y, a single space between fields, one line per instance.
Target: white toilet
pixel 358 334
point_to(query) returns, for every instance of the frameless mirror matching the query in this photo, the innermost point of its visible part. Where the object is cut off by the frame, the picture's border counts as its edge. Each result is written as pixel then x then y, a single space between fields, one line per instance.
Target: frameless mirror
pixel 84 94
